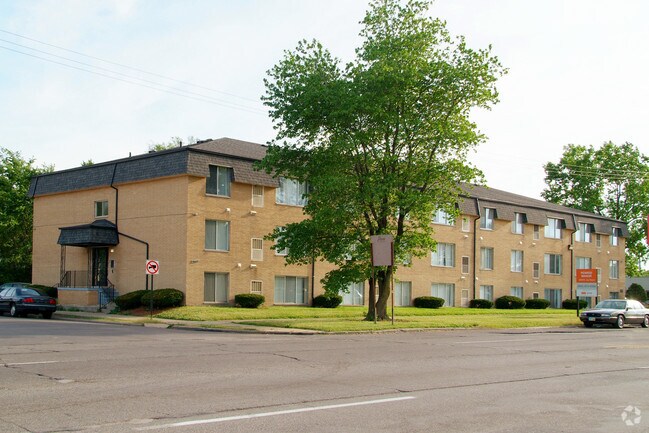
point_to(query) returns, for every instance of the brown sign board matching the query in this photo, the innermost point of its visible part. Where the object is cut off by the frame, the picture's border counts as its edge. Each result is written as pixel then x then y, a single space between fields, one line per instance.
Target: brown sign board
pixel 382 250
pixel 586 275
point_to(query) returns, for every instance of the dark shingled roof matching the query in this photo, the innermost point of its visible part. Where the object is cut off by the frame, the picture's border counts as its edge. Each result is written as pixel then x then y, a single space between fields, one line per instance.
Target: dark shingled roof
pixel 98 233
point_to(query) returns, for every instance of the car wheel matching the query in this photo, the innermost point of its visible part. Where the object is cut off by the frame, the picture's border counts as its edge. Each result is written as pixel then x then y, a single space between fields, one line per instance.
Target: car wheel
pixel 13 311
pixel 47 315
pixel 619 323
pixel 588 324
pixel 645 322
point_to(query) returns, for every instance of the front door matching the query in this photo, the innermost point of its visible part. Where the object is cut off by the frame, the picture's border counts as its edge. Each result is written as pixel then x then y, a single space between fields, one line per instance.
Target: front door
pixel 100 267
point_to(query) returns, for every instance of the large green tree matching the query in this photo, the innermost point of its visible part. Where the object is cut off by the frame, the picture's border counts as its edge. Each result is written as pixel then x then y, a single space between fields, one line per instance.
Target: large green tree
pixel 613 181
pixel 382 140
pixel 16 215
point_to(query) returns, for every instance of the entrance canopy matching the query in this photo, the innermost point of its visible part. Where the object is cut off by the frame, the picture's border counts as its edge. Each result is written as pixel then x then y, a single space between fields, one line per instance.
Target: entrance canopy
pixel 97 234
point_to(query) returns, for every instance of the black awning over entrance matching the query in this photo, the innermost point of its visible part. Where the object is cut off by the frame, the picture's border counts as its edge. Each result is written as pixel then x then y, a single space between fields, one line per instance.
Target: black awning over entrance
pixel 96 234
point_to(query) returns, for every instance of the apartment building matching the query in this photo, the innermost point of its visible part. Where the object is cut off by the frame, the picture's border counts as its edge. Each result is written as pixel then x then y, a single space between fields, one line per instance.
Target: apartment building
pixel 202 212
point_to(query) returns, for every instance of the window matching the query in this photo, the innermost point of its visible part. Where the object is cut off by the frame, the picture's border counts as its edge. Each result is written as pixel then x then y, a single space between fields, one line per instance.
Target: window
pixel 535 295
pixel 216 287
pixel 291 290
pixel 255 287
pixel 217 235
pixel 486 258
pixel 537 233
pixel 257 196
pixel 613 295
pixel 553 264
pixel 464 298
pixel 291 192
pixel 444 291
pixel 354 294
pixel 101 209
pixel 402 293
pixel 487 292
pixel 465 264
pixel 442 217
pixel 466 224
pixel 583 233
pixel 517 224
pixel 444 255
pixel 516 291
pixel 554 296
pixel 487 220
pixel 218 181
pixel 553 229
pixel 583 263
pixel 536 270
pixel 257 249
pixel 599 274
pixel 283 252
pixel 614 269
pixel 614 239
pixel 517 261
pixel 599 241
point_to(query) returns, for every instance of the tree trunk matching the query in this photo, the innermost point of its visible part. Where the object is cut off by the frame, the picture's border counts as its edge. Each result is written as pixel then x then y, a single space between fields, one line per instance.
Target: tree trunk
pixel 383 279
pixel 371 297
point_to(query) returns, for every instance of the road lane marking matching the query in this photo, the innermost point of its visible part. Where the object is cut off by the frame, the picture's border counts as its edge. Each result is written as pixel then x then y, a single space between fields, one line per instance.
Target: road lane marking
pixel 279 412
pixel 492 341
pixel 13 364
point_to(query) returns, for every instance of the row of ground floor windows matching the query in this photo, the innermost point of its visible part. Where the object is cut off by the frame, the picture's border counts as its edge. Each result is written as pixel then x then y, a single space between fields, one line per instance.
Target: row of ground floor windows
pixel 295 290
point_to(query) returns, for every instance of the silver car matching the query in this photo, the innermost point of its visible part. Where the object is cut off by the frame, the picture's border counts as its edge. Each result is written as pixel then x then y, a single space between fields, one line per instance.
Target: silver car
pixel 616 312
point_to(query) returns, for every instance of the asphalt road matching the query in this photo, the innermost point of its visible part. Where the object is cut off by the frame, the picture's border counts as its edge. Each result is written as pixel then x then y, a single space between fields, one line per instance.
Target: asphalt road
pixel 61 376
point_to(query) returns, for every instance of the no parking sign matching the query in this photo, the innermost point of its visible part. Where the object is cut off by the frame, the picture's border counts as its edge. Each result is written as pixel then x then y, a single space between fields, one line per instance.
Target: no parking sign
pixel 152 267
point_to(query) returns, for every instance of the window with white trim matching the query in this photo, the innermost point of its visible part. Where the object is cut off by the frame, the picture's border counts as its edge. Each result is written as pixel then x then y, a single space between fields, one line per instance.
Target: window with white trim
pixel 291 192
pixel 536 270
pixel 446 291
pixel 516 291
pixel 517 224
pixel 554 296
pixel 466 224
pixel 553 228
pixel 216 287
pixel 614 238
pixel 402 293
pixel 291 290
pixel 354 294
pixel 487 220
pixel 219 180
pixel 465 264
pixel 444 255
pixel 256 287
pixel 257 196
pixel 583 233
pixel 537 232
pixel 257 249
pixel 517 261
pixel 599 240
pixel 101 209
pixel 583 262
pixel 487 292
pixel 553 264
pixel 217 235
pixel 486 258
pixel 442 217
pixel 282 252
pixel 614 269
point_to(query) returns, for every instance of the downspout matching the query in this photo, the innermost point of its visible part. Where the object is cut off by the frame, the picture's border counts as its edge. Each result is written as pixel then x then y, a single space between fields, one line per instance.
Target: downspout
pixel 572 256
pixel 475 246
pixel 312 280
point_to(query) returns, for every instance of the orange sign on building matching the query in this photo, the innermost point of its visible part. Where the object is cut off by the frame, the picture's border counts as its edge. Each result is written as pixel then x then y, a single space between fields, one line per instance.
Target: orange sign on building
pixel 586 275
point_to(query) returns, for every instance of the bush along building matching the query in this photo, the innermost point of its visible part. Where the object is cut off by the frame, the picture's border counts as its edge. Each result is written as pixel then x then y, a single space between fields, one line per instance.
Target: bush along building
pixel 202 211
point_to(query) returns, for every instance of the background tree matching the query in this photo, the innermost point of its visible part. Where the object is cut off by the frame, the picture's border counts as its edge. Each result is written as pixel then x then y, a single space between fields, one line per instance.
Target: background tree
pixel 382 140
pixel 172 143
pixel 16 216
pixel 612 181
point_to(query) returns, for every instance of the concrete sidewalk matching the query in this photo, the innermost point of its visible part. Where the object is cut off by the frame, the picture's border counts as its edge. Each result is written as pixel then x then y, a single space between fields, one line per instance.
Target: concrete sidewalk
pixel 217 326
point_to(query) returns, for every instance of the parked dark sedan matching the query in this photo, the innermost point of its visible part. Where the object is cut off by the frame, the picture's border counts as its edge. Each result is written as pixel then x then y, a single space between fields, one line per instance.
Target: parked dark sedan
pixel 20 301
pixel 616 312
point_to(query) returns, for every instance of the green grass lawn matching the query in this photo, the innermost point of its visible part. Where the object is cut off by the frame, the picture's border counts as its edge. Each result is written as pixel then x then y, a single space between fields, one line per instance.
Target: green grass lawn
pixel 350 319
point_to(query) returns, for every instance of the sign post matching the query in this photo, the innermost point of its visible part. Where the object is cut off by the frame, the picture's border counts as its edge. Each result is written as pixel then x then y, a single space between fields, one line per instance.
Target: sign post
pixel 152 268
pixel 383 255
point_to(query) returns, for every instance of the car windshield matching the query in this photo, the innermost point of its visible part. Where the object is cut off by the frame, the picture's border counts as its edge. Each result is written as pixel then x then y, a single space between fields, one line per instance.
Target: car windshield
pixel 27 292
pixel 611 305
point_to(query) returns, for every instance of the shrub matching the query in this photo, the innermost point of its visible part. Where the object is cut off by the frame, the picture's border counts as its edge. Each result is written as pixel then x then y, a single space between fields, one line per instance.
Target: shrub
pixel 327 300
pixel 537 304
pixel 130 300
pixel 637 292
pixel 480 303
pixel 509 303
pixel 163 298
pixel 571 304
pixel 52 292
pixel 249 300
pixel 428 302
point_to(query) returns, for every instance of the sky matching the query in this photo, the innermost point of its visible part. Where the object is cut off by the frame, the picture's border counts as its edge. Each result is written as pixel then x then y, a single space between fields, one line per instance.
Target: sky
pixel 101 79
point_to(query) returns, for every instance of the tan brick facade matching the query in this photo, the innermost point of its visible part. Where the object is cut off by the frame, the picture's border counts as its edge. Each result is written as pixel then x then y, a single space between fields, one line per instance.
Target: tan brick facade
pixel 170 214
